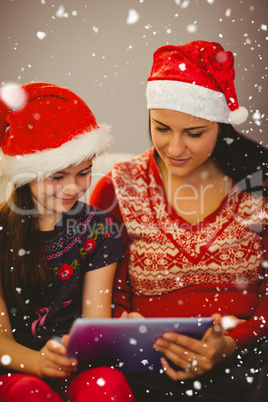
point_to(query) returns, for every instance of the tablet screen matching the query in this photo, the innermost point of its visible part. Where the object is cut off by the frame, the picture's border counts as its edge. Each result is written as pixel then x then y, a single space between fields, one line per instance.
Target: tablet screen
pixel 127 343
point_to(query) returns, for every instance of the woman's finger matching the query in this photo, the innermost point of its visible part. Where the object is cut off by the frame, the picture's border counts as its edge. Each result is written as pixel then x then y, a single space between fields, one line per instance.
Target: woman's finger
pixel 183 341
pixel 182 357
pixel 175 375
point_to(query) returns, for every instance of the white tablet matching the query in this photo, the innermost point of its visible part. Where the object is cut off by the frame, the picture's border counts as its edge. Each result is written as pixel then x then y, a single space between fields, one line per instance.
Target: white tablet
pixel 127 344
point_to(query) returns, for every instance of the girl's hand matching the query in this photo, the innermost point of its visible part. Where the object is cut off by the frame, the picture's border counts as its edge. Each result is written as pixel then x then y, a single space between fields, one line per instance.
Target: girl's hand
pixel 196 357
pixel 133 314
pixel 54 362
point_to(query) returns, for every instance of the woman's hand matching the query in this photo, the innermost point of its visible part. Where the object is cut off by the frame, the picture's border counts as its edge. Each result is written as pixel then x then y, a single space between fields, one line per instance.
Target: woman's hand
pixel 196 357
pixel 54 362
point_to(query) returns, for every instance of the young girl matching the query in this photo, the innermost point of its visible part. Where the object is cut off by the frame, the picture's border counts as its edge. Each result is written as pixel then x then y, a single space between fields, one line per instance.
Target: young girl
pixel 195 211
pixel 58 255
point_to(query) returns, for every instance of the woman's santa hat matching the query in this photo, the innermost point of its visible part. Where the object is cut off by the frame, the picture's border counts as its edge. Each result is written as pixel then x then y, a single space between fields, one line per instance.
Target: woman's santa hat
pixel 45 128
pixel 196 78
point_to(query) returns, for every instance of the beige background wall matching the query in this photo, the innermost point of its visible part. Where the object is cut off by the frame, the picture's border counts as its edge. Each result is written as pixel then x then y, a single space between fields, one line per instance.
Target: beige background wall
pixel 92 48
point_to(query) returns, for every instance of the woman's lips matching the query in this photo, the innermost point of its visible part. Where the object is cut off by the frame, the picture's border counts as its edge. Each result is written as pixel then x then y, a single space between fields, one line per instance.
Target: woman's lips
pixel 178 162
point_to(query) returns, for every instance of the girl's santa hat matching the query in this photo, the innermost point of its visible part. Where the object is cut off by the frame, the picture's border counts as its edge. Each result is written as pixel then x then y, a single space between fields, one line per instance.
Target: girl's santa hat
pixel 45 128
pixel 196 78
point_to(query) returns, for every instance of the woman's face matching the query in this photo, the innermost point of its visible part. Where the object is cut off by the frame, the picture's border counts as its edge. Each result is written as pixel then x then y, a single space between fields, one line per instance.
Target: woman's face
pixel 60 191
pixel 183 142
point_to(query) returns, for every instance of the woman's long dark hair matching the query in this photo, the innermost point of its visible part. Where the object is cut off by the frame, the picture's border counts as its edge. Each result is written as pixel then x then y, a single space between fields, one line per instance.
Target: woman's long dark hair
pixel 240 158
pixel 24 267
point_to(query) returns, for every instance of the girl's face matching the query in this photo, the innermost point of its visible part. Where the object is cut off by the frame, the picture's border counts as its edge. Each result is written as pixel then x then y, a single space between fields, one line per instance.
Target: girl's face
pixel 60 191
pixel 183 142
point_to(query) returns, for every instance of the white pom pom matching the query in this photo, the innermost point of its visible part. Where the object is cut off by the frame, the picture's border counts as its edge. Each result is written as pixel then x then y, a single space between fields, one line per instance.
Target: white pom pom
pixel 238 116
pixel 13 95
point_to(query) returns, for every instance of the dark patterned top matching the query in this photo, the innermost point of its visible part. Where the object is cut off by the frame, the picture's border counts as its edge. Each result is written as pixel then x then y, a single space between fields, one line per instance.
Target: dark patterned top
pixel 85 239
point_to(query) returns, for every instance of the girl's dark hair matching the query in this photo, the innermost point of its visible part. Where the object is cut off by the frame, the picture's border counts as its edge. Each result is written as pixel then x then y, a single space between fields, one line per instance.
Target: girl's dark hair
pixel 24 268
pixel 242 159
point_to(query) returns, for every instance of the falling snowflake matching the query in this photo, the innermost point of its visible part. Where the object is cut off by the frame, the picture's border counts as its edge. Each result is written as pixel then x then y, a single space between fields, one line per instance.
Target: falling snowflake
pixel 249 379
pixel 5 360
pixel 197 385
pixel 143 329
pixel 144 362
pixel 256 115
pixel 132 17
pixel 101 382
pixel 60 13
pixel 191 28
pixel 183 4
pixel 41 35
pixel 189 392
pixel 228 140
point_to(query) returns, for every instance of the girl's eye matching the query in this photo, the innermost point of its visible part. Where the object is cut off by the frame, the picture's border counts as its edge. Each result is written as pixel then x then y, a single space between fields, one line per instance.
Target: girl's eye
pixel 55 177
pixel 84 174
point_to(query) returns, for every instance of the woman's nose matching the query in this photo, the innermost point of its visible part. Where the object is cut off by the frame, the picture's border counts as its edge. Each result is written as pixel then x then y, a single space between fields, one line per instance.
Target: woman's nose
pixel 177 146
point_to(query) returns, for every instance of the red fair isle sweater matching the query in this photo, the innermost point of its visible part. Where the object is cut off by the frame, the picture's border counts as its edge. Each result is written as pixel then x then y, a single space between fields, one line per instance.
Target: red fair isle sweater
pixel 176 269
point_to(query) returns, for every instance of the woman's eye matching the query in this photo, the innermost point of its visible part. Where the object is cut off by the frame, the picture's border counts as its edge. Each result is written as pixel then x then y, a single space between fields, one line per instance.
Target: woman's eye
pixel 195 135
pixel 162 129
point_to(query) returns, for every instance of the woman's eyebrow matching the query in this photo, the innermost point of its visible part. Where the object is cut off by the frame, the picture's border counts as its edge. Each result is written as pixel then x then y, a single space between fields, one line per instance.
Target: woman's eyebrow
pixel 195 128
pixel 159 122
pixel 186 129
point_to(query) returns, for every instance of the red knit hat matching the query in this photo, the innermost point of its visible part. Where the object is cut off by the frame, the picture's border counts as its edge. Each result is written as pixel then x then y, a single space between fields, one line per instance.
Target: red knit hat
pixel 45 128
pixel 196 78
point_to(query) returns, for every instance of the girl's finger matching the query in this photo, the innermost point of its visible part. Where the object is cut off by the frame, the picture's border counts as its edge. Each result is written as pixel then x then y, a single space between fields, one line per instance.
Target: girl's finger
pixel 55 360
pixel 65 339
pixel 56 347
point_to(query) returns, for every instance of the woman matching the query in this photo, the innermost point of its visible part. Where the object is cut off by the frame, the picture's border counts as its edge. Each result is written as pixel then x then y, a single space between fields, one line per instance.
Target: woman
pixel 57 255
pixel 194 209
